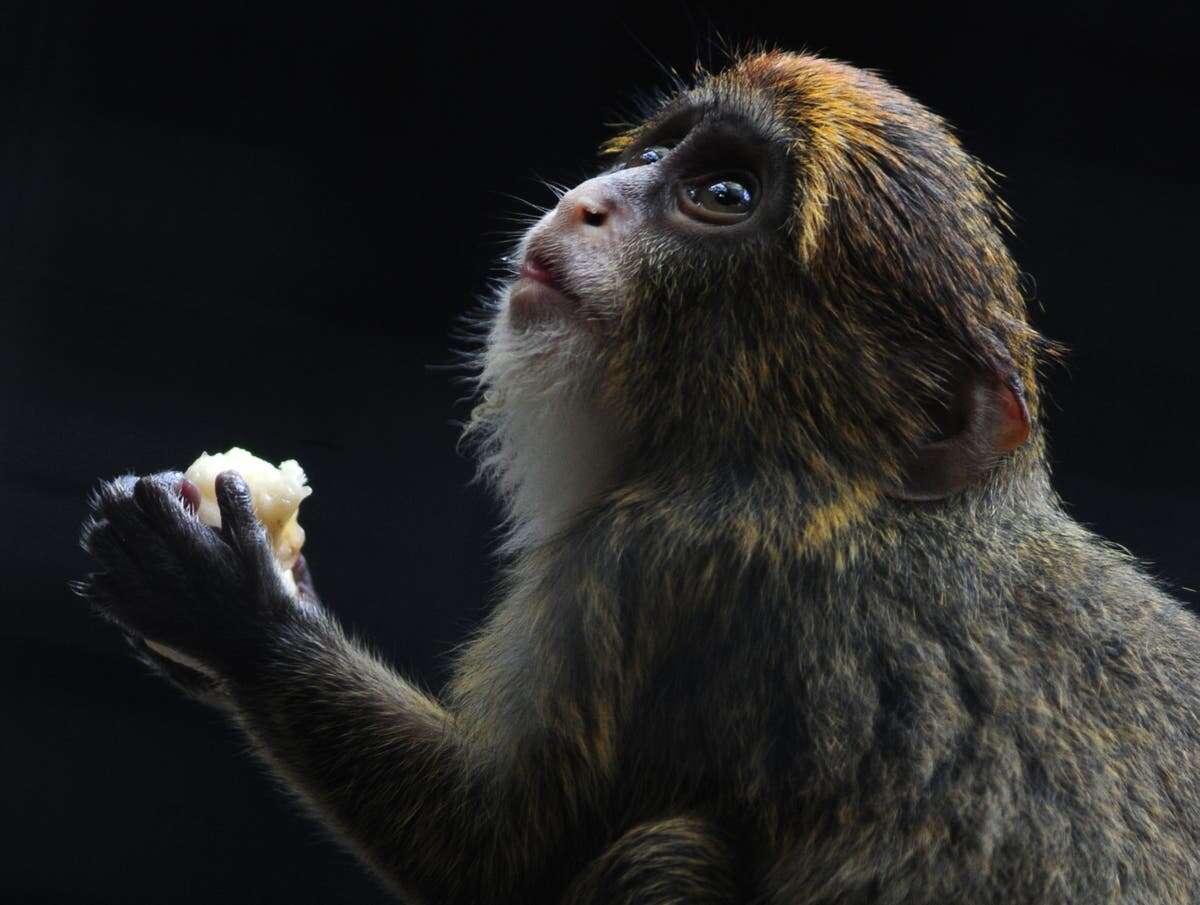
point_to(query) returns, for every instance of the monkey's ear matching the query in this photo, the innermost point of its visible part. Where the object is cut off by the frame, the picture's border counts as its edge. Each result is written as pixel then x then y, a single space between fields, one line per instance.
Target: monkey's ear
pixel 985 418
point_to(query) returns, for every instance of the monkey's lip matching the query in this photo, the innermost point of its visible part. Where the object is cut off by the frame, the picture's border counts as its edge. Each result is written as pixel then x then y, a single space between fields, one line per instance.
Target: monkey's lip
pixel 537 268
pixel 538 293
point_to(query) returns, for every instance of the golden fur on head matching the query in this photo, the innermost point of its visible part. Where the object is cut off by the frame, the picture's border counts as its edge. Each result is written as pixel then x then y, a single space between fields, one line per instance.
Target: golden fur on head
pixel 894 266
pixel 819 342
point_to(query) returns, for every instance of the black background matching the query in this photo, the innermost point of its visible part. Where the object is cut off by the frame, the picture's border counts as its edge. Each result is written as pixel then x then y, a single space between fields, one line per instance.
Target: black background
pixel 254 224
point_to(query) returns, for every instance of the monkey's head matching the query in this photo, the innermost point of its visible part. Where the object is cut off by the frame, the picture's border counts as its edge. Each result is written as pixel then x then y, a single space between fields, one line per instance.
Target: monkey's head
pixel 790 262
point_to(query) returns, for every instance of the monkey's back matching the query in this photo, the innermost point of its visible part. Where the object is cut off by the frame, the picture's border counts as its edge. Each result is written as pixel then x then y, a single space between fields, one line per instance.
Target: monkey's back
pixel 941 707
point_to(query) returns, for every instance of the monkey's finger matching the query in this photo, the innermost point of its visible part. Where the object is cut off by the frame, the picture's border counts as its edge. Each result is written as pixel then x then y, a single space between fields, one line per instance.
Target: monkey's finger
pixel 160 499
pixel 243 531
pixel 105 497
pixel 106 598
pixel 100 539
pixel 84 588
pixel 114 503
pixel 134 606
pixel 91 588
pixel 111 492
pixel 90 526
pixel 239 524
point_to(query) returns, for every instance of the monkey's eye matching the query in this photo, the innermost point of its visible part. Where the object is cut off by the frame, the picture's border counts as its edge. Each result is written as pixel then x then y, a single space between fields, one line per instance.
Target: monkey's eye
pixel 718 201
pixel 648 155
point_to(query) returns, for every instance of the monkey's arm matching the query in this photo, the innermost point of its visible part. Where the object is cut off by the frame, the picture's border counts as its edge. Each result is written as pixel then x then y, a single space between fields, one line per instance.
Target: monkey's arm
pixel 431 810
pixel 388 766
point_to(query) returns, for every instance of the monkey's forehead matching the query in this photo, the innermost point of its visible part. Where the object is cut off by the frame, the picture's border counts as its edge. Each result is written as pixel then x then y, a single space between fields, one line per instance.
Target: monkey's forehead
pixel 750 108
pixel 789 98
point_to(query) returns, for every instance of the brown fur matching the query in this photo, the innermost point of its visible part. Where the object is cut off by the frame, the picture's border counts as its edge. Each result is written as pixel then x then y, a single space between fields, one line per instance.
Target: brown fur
pixel 747 672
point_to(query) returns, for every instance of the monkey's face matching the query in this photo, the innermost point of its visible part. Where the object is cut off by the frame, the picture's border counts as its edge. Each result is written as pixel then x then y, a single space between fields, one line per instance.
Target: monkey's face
pixel 791 256
pixel 704 192
pixel 639 287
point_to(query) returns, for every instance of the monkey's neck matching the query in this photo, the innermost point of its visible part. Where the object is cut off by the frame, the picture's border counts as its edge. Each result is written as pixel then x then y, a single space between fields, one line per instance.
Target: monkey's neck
pixel 549 458
pixel 797 510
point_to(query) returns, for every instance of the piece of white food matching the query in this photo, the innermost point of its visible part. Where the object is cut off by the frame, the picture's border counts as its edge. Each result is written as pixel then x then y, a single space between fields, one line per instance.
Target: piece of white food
pixel 276 494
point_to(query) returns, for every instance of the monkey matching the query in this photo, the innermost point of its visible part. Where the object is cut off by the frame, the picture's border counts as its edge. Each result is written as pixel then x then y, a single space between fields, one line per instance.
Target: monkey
pixel 791 612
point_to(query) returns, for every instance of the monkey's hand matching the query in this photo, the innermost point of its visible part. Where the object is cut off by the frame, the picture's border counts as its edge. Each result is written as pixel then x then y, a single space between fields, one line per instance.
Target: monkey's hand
pixel 214 596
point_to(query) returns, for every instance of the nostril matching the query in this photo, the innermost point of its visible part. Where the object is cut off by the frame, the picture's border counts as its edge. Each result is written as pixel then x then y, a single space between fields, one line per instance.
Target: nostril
pixel 593 216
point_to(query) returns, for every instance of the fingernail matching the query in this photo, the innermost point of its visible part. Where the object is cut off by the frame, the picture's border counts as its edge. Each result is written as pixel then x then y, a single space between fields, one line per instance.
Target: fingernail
pixel 190 494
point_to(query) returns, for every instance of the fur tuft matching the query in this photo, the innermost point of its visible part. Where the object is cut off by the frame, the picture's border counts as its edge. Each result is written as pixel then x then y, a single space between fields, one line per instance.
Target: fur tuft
pixel 543 442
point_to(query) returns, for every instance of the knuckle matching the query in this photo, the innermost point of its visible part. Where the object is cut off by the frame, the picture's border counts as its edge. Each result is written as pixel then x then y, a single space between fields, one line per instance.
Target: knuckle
pixel 144 491
pixel 149 484
pixel 116 497
pixel 153 496
pixel 119 488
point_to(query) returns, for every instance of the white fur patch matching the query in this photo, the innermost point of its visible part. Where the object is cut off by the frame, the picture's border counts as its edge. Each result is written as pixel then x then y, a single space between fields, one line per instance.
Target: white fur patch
pixel 543 442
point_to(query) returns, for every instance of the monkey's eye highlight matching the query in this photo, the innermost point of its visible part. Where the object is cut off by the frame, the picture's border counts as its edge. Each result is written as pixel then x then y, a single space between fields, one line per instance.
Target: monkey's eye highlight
pixel 718 201
pixel 649 155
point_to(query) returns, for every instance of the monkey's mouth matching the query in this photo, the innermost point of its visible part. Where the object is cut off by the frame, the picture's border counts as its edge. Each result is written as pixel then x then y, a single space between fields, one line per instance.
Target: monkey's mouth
pixel 539 268
pixel 539 293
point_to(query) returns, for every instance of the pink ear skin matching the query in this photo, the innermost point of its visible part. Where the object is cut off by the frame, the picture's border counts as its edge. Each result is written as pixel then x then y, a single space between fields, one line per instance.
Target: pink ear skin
pixel 990 419
pixel 1015 416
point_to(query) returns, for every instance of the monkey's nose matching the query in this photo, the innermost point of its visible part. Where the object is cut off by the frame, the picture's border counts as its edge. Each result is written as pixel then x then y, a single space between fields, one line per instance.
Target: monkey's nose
pixel 594 203
pixel 596 211
pixel 591 211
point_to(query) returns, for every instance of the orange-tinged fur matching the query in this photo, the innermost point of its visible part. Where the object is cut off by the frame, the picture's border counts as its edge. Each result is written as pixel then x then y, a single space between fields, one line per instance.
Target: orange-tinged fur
pixel 733 662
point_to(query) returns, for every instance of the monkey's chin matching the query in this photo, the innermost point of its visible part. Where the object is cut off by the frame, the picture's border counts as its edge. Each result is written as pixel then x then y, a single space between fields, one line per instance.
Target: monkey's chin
pixel 532 302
